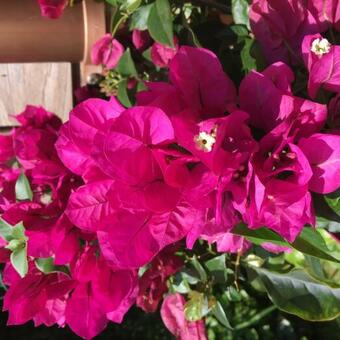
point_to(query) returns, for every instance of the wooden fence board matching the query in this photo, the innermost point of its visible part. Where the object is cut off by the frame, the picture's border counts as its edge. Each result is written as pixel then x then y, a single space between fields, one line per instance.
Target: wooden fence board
pixel 45 84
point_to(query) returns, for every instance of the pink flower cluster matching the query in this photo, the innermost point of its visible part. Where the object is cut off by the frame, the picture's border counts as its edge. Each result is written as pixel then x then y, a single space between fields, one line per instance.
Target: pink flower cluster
pixel 85 292
pixel 108 51
pixel 172 313
pixel 52 9
pixel 115 188
pixel 280 25
pixel 176 166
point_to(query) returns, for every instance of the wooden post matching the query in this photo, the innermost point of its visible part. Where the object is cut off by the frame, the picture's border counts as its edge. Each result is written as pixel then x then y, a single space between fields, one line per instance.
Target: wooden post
pixel 27 38
pixel 42 84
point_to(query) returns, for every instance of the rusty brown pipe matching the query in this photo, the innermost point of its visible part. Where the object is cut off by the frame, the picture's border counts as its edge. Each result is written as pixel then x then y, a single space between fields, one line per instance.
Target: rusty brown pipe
pixel 25 36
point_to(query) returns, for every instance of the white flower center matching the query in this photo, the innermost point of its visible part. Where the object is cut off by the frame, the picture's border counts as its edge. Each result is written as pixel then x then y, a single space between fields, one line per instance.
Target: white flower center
pixel 46 198
pixel 205 141
pixel 320 46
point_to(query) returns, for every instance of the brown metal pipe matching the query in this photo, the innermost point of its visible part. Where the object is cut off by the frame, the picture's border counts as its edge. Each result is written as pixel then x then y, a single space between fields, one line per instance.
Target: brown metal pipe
pixel 25 36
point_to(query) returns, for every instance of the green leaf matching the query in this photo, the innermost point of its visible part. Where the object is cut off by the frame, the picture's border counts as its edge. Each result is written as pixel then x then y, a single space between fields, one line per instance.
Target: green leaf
pixel 308 242
pixel 334 203
pixel 141 86
pixel 180 284
pixel 139 19
pixel 200 270
pixel 331 226
pixel 217 263
pixel 220 315
pixel 248 61
pixel 311 242
pixel 190 275
pixel 126 66
pixel 17 243
pixel 122 93
pixel 196 307
pixel 322 208
pixel 182 288
pixel 10 233
pixel 330 241
pixel 131 5
pixel 239 10
pixel 295 257
pixel 217 268
pixel 45 265
pixel 23 189
pixel 259 236
pixel 18 232
pixel 113 2
pixel 297 293
pixel 240 31
pixel 160 23
pixel 233 295
pixel 19 260
pixel 13 245
pixel 5 230
pixel 326 271
pixel 147 54
pixel 254 260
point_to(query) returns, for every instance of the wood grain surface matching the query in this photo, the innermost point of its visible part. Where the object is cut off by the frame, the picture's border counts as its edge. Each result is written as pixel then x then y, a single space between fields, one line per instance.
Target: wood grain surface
pixel 45 84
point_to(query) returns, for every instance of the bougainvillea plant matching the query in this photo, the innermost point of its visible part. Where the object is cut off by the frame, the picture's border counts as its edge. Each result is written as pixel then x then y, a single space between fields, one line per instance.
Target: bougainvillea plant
pixel 187 179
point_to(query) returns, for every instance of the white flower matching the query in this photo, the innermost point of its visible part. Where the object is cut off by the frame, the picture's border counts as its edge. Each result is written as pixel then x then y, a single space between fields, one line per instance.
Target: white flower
pixel 205 141
pixel 320 46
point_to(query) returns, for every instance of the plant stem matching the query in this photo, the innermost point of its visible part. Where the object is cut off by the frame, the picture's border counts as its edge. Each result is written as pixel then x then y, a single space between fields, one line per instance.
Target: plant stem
pixel 237 267
pixel 119 22
pixel 255 318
